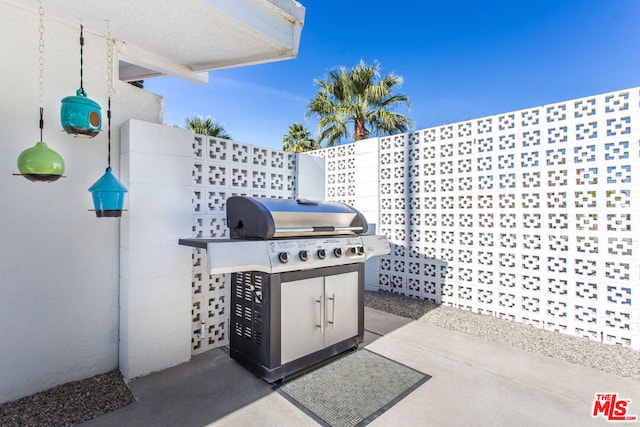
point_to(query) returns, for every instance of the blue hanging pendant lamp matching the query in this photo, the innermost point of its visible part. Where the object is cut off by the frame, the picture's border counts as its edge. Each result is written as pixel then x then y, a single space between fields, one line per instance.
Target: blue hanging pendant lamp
pixel 107 192
pixel 80 116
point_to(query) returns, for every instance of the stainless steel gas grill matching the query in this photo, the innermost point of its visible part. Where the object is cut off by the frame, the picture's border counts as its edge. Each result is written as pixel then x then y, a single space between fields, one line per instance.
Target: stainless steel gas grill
pixel 297 274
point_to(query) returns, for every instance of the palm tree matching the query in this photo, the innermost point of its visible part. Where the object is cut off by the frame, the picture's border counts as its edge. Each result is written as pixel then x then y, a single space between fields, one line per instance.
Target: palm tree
pixel 359 96
pixel 206 126
pixel 298 139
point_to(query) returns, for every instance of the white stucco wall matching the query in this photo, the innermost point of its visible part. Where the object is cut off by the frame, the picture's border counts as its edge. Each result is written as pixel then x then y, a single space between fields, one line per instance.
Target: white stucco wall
pixel 59 264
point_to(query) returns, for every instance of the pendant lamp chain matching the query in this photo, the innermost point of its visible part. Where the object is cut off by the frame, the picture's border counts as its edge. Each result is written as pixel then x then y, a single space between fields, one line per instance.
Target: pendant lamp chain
pixel 109 134
pixel 40 163
pixel 41 66
pixel 110 43
pixel 81 56
pixel 109 89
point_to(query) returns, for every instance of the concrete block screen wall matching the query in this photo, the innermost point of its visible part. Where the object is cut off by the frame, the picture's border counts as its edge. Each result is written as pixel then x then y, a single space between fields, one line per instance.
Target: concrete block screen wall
pixel 526 216
pixel 529 215
pixel 221 169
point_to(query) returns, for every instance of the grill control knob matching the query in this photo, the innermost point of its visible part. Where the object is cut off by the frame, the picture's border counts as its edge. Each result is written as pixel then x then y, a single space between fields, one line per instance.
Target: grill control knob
pixel 352 251
pixel 338 252
pixel 284 257
pixel 360 250
pixel 322 253
pixel 304 255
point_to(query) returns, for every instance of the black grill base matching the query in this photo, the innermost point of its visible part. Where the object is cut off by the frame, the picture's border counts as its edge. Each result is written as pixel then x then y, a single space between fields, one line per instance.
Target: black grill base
pixel 256 315
pixel 283 372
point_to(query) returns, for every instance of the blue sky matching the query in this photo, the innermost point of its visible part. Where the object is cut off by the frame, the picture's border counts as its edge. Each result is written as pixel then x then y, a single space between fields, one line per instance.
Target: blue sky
pixel 460 60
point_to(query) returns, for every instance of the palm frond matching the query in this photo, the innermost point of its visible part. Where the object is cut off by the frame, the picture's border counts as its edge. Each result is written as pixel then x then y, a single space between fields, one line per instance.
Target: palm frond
pixel 360 97
pixel 206 126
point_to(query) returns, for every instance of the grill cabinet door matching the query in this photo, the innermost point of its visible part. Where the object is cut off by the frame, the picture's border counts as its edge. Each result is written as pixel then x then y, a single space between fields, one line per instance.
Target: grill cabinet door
pixel 341 307
pixel 317 313
pixel 302 314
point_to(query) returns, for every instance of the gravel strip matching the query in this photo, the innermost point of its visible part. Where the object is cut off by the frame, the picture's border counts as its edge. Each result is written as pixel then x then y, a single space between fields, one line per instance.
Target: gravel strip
pixel 68 404
pixel 622 361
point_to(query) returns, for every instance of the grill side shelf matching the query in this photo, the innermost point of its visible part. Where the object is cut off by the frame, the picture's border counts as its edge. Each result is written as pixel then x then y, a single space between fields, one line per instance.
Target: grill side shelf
pixel 195 243
pixel 230 256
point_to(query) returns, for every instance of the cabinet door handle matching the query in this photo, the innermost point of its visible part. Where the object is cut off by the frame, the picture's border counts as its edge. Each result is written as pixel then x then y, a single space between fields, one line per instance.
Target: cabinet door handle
pixel 321 325
pixel 333 310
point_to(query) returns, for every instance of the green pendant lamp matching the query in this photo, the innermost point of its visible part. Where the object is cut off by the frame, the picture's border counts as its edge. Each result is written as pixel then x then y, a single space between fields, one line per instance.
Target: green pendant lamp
pixel 41 163
pixel 107 192
pixel 79 115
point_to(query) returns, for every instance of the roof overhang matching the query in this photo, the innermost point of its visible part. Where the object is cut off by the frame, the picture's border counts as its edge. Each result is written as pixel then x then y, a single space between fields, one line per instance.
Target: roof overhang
pixel 187 38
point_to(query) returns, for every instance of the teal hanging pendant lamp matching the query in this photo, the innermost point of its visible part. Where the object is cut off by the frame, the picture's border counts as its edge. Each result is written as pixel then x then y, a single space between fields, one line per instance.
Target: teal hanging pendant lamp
pixel 40 163
pixel 107 192
pixel 80 116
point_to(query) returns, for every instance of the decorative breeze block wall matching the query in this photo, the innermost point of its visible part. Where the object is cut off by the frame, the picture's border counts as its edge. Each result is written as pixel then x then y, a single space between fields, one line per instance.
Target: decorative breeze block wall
pixel 221 169
pixel 340 173
pixel 527 215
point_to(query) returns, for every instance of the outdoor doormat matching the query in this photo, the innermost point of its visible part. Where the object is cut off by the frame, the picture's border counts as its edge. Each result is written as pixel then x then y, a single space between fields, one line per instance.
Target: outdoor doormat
pixel 353 390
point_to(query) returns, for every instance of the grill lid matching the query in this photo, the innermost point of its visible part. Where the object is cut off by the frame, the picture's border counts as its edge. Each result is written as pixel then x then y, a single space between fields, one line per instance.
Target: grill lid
pixel 265 218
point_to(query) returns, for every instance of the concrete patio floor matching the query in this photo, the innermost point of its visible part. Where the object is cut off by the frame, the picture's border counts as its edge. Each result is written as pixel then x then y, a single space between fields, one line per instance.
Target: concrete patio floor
pixel 474 382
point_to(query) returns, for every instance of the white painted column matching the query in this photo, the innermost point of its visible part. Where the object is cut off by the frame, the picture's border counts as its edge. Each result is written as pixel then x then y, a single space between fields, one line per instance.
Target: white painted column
pixel 155 272
pixel 311 177
pixel 367 183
